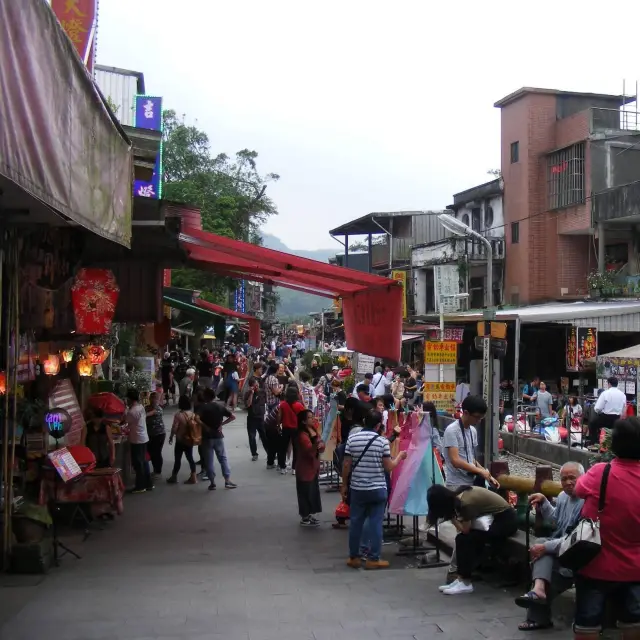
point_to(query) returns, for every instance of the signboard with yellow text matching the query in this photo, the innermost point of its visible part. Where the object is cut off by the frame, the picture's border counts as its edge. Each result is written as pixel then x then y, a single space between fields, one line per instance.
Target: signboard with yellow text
pixel 440 352
pixel 442 394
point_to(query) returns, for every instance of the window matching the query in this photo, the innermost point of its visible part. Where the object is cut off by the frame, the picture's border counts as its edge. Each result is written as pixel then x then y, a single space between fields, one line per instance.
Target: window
pixel 465 219
pixel 565 177
pixel 476 215
pixel 488 217
pixel 515 232
pixel 515 152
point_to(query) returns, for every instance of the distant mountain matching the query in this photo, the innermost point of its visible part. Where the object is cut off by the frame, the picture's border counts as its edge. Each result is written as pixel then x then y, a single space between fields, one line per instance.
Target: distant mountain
pixel 296 303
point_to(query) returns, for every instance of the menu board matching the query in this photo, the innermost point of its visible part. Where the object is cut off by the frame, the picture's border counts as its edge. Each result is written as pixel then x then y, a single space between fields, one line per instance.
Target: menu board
pixel 65 464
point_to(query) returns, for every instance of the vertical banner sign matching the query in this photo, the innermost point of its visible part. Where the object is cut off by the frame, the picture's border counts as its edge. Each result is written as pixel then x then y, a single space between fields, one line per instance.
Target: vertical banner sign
pixel 486 368
pixel 572 349
pixel 148 115
pixel 587 346
pixel 401 277
pixel 446 285
pixel 78 18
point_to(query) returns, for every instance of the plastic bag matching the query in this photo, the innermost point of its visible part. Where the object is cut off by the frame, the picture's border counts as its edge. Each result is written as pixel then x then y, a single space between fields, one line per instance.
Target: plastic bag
pixel 483 523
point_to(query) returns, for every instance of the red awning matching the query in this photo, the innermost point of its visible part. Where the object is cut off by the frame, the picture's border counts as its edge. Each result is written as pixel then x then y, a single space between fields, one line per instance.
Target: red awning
pixel 254 323
pixel 371 305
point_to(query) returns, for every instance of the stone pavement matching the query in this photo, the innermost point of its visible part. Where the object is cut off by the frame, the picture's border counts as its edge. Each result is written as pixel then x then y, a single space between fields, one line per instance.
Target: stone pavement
pixel 184 563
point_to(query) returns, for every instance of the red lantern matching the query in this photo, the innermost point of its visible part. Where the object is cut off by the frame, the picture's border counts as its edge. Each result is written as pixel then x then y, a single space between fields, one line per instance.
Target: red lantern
pixel 3 382
pixel 97 354
pixel 51 365
pixel 94 295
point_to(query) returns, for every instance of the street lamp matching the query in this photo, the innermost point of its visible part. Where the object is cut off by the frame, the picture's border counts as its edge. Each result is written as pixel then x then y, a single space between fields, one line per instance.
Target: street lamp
pixel 452 296
pixel 458 228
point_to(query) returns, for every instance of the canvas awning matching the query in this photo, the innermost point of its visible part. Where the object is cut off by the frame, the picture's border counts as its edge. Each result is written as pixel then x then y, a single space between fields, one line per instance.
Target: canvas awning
pixel 60 147
pixel 208 310
pixel 371 305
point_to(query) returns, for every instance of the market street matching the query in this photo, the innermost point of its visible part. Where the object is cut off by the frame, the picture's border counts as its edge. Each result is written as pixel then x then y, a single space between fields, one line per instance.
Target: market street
pixel 184 563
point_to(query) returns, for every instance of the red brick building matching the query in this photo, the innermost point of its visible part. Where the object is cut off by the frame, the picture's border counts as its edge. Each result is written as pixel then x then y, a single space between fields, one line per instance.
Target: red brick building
pixel 559 150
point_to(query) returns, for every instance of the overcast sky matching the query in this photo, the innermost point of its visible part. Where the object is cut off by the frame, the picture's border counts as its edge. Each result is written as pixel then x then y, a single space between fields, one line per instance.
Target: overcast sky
pixel 362 106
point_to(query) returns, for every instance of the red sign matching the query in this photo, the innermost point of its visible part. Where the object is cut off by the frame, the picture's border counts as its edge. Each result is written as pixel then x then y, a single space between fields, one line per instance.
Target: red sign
pixel 78 19
pixel 373 321
pixel 166 278
pixel 587 346
pixel 572 349
pixel 94 295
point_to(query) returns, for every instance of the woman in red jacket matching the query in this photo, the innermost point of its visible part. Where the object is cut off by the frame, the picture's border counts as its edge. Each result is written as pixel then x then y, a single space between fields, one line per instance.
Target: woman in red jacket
pixel 290 407
pixel 309 446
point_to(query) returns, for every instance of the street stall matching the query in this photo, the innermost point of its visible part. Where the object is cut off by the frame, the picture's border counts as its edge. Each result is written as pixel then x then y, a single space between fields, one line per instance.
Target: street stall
pixel 57 191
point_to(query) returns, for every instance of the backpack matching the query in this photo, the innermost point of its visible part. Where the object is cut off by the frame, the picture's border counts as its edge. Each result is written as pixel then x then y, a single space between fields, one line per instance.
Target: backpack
pixel 193 432
pixel 272 421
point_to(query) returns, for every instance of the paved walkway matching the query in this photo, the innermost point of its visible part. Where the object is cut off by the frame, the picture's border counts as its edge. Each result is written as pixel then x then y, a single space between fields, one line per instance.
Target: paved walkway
pixel 184 563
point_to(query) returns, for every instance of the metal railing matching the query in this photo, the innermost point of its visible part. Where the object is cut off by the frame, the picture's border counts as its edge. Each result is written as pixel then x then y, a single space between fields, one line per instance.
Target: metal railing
pixel 614 120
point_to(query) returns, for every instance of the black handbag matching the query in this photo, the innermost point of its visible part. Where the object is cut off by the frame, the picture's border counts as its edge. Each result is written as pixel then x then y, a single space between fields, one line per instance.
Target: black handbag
pixel 355 464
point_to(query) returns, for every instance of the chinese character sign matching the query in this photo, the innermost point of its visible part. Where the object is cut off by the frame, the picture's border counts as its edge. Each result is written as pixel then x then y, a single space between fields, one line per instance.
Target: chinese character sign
pixel 401 277
pixel 151 189
pixel 149 112
pixel 451 334
pixel 442 394
pixel 78 19
pixel 587 346
pixel 572 349
pixel 447 285
pixel 440 352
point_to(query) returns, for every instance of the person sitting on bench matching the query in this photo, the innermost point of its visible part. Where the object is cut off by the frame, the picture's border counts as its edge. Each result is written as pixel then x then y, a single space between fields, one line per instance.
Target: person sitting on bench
pixel 549 578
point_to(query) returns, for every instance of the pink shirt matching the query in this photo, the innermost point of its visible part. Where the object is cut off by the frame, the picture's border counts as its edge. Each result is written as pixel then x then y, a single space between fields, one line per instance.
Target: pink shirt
pixel 619 559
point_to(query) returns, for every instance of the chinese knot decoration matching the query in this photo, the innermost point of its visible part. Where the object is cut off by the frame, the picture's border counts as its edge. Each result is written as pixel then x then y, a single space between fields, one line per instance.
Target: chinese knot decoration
pixel 97 354
pixel 94 295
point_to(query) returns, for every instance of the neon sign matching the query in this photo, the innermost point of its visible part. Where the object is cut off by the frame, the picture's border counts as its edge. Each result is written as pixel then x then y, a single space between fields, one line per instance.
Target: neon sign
pixel 56 419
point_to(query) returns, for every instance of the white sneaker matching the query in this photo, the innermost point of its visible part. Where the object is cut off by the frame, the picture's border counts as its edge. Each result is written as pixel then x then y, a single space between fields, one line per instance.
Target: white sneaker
pixel 458 588
pixel 444 587
pixel 283 472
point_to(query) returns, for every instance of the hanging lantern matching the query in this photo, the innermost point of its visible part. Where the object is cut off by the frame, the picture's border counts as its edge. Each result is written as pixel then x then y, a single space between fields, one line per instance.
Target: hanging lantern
pixel 3 382
pixel 67 355
pixel 94 295
pixel 96 353
pixel 51 365
pixel 85 368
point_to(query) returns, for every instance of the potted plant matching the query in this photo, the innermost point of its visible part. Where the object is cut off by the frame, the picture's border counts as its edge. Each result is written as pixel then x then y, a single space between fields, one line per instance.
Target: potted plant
pixel 600 283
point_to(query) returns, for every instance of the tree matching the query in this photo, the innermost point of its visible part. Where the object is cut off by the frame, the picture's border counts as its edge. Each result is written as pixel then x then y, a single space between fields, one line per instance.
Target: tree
pixel 230 193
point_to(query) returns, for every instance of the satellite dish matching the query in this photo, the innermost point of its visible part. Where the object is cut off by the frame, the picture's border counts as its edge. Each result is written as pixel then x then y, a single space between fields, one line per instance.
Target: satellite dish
pixel 57 423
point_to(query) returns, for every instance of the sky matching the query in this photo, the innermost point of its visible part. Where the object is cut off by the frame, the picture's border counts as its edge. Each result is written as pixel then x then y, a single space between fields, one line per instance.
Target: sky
pixel 361 106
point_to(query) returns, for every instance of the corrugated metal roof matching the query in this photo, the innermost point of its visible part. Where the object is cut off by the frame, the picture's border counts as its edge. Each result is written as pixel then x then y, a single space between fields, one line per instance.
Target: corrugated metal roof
pixel 615 315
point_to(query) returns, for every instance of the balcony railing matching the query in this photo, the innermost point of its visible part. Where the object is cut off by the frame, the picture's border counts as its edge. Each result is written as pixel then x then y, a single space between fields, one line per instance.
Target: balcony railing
pixel 603 120
pixel 453 249
pixel 616 203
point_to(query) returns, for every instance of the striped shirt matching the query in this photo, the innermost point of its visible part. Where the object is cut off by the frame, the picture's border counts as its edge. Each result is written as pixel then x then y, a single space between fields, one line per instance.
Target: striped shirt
pixel 369 474
pixel 270 384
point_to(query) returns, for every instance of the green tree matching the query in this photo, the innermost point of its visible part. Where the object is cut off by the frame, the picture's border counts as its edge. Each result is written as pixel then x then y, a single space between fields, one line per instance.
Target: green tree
pixel 230 193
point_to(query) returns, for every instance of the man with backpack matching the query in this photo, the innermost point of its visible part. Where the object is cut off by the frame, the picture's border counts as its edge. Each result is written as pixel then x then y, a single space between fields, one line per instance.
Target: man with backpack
pixel 214 415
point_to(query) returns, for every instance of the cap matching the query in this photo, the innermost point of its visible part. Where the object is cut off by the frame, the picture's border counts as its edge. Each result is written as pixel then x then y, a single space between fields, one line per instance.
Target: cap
pixel 335 368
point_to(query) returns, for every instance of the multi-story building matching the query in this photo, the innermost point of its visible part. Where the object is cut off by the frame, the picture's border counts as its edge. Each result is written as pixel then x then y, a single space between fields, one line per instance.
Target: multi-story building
pixel 453 264
pixel 571 166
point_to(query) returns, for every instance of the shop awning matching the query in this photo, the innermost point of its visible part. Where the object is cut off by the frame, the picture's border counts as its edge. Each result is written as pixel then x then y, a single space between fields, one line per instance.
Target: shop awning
pixel 208 311
pixel 371 305
pixel 58 141
pixel 409 337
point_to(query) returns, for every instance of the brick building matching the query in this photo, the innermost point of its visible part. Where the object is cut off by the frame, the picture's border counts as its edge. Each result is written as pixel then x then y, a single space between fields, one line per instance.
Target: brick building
pixel 560 149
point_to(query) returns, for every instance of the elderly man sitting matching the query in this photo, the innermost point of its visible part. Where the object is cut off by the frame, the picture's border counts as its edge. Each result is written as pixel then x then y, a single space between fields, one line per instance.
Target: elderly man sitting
pixel 549 578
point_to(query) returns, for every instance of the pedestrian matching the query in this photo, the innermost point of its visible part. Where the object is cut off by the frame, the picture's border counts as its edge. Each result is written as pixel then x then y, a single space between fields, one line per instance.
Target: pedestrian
pixel 255 400
pixel 309 398
pixel 231 381
pixel 136 420
pixel 610 407
pixel 214 415
pixel 290 407
pixel 367 456
pixel 465 508
pixel 309 447
pixel 166 376
pixel 273 388
pixel 204 370
pixel 156 432
pixel 184 430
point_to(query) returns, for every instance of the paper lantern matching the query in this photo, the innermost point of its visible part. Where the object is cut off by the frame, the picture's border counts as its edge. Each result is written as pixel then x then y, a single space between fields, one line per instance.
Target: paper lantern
pixel 96 353
pixel 3 382
pixel 67 355
pixel 51 365
pixel 94 295
pixel 85 368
